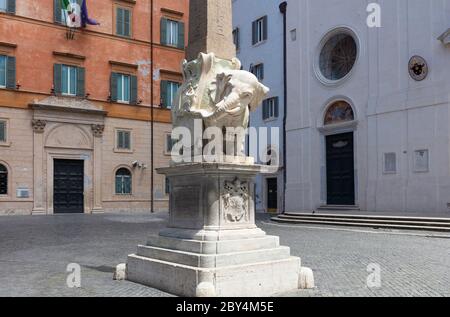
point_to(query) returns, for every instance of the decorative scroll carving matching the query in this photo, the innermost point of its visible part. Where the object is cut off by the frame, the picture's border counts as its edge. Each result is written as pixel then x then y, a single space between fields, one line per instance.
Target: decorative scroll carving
pixel 98 130
pixel 38 126
pixel 235 201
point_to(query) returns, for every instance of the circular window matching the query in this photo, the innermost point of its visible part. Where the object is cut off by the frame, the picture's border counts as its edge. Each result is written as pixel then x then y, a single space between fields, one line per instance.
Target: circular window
pixel 338 55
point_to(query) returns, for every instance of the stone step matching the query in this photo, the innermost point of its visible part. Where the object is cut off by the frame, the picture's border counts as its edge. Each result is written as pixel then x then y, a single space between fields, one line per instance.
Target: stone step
pixel 362 224
pixel 213 260
pixel 338 208
pixel 215 247
pixel 370 217
pixel 394 221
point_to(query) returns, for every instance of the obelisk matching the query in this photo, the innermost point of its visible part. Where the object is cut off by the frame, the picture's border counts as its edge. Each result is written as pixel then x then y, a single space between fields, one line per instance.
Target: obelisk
pixel 212 245
pixel 210 29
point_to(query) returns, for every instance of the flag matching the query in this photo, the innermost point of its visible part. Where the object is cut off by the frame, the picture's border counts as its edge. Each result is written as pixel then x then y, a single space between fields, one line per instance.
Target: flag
pixel 85 16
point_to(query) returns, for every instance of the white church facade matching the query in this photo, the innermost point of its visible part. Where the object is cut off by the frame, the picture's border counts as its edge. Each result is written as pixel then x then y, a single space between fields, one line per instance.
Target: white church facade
pixel 368 107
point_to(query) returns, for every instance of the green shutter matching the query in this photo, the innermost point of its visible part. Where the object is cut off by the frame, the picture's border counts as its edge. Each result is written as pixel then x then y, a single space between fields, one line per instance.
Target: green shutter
pixel 81 75
pixel 254 32
pixel 163 31
pixel 119 21
pixel 11 72
pixel 57 11
pixel 57 73
pixel 277 107
pixel 2 131
pixel 181 35
pixel 127 140
pixel 265 28
pixel 113 87
pixel 164 95
pixel 126 22
pixel 127 185
pixel 133 90
pixel 118 184
pixel 11 6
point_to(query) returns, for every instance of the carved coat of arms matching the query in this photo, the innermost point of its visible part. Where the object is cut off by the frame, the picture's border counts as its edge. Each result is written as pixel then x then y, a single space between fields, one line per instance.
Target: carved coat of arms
pixel 235 201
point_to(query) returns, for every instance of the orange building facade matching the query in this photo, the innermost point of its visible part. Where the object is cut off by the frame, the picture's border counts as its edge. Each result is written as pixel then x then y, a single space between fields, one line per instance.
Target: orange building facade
pixel 76 104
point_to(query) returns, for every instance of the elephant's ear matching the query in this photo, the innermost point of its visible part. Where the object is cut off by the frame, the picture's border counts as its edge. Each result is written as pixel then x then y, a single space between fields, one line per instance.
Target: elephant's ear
pixel 259 94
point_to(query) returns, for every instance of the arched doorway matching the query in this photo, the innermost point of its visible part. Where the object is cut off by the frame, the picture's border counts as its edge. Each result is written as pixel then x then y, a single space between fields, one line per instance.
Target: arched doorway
pixel 340 156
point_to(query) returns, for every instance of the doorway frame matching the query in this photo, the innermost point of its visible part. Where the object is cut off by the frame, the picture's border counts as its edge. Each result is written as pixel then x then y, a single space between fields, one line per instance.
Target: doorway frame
pixel 335 129
pixel 77 155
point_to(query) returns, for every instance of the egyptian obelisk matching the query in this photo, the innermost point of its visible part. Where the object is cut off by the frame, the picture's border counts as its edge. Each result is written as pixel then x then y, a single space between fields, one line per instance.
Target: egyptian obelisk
pixel 210 29
pixel 212 246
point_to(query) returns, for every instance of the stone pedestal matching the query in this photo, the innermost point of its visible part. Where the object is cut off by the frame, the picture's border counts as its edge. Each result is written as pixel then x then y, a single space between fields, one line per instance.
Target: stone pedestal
pixel 212 246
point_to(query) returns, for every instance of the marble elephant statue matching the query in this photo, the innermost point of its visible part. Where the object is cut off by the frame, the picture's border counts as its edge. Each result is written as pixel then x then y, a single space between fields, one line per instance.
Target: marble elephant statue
pixel 235 94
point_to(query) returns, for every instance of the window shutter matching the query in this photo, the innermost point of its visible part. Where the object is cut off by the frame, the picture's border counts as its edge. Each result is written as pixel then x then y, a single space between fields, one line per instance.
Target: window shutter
pixel 127 141
pixel 11 72
pixel 11 6
pixel 127 189
pixel 254 32
pixel 164 95
pixel 118 184
pixel 265 110
pixel 163 31
pixel 81 75
pixel 265 28
pixel 113 88
pixel 57 11
pixel 2 131
pixel 277 107
pixel 119 22
pixel 57 72
pixel 181 35
pixel 262 71
pixel 133 90
pixel 126 22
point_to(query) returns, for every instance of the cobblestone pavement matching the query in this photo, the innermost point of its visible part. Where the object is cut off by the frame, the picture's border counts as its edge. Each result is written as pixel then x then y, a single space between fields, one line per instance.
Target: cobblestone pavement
pixel 35 252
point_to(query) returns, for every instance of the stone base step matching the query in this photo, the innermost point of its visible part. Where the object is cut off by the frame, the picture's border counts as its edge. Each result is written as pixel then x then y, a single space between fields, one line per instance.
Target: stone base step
pixel 213 260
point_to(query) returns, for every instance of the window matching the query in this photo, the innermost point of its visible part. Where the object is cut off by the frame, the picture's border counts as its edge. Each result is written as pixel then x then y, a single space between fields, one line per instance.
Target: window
pixel 339 112
pixel 69 80
pixel 60 12
pixel 2 131
pixel 259 30
pixel 172 33
pixel 123 182
pixel 7 72
pixel 338 56
pixel 390 163
pixel 123 140
pixel 258 71
pixel 169 91
pixel 270 108
pixel 167 186
pixel 124 88
pixel 8 6
pixel 236 38
pixel 123 22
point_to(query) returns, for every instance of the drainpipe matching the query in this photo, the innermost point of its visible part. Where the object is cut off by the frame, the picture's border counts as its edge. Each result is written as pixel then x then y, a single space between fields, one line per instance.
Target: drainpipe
pixel 283 10
pixel 152 82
